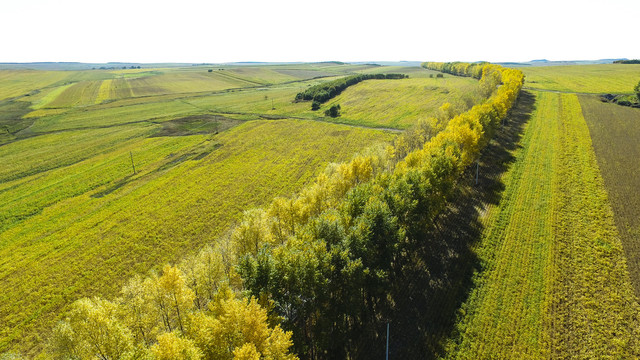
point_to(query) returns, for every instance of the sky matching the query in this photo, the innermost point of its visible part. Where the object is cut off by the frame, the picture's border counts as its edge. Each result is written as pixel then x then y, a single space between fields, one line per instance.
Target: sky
pixel 218 31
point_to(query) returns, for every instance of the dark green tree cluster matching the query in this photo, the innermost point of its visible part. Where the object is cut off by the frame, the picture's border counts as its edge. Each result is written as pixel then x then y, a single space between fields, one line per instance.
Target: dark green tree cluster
pixel 333 111
pixel 635 61
pixel 325 91
pixel 637 90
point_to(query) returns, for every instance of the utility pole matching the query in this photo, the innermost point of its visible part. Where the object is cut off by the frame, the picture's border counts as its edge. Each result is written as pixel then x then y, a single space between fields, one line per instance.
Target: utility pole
pixel 132 164
pixel 387 357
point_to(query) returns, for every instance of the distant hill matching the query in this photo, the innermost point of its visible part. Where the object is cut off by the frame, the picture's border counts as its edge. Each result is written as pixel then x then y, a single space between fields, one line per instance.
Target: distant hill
pixel 545 62
pixel 85 66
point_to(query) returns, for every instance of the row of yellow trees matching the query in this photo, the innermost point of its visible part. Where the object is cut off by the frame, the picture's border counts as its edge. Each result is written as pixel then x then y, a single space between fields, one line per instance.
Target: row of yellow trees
pixel 329 264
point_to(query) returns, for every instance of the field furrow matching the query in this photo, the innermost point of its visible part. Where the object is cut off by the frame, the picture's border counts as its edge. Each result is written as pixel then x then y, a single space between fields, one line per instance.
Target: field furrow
pixel 616 135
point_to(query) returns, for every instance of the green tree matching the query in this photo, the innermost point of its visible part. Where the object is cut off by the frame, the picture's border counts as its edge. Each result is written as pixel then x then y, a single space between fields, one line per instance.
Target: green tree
pixel 334 111
pixel 637 90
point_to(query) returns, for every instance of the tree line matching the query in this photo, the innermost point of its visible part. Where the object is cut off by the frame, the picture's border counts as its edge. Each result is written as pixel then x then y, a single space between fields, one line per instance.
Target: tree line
pixel 321 272
pixel 474 70
pixel 635 61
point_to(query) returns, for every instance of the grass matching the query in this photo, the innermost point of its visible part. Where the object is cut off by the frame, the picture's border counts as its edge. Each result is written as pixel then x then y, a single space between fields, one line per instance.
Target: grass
pixel 554 281
pixel 615 133
pixel 596 79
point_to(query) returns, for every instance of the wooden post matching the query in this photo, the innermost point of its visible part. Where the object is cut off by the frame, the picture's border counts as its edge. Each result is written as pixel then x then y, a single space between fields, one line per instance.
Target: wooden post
pixel 132 164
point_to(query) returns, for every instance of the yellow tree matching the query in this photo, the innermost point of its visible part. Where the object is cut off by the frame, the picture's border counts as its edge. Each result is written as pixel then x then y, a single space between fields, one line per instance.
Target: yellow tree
pixel 231 324
pixel 92 331
pixel 137 310
pixel 251 233
pixel 171 346
pixel 172 297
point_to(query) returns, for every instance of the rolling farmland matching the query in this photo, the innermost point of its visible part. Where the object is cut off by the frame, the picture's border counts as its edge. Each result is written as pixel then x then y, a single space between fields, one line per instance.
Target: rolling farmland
pixel 109 175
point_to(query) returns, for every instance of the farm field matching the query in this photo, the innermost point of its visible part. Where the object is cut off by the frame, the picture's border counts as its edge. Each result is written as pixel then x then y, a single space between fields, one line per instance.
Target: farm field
pixel 75 214
pixel 551 255
pixel 592 79
pixel 615 133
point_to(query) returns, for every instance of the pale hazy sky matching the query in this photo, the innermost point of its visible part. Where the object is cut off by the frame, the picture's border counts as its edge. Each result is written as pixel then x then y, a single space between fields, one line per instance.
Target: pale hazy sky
pixel 288 30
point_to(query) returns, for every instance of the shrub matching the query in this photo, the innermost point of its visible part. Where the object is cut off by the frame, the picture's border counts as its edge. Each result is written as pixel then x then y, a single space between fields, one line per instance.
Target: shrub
pixel 315 105
pixel 637 90
pixel 334 111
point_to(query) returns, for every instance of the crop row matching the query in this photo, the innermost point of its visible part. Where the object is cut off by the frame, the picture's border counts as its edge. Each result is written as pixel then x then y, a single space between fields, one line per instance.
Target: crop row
pixel 615 136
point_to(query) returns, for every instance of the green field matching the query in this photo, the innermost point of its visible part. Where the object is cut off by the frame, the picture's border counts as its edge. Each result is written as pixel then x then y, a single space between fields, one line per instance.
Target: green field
pixel 554 271
pixel 592 79
pixel 615 133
